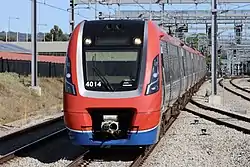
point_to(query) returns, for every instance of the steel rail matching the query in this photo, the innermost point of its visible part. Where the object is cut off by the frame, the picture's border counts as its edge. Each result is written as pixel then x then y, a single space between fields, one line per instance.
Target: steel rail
pixel 234 92
pixel 80 160
pixel 218 119
pixel 238 87
pixel 23 149
pixel 30 129
pixel 142 157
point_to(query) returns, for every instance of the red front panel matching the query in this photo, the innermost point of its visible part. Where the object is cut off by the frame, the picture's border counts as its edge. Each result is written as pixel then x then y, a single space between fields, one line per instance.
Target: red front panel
pixel 147 110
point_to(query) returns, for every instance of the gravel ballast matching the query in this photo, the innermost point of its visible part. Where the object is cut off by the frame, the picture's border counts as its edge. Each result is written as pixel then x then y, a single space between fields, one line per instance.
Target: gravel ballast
pixel 184 145
pixel 243 82
pixel 58 152
pixel 232 101
pixel 31 162
pixel 22 124
pixel 110 164
pixel 229 101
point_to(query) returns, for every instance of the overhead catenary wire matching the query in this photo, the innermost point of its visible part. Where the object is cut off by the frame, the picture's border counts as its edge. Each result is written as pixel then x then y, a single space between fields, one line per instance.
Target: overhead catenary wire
pixel 58 8
pixel 238 7
pixel 96 10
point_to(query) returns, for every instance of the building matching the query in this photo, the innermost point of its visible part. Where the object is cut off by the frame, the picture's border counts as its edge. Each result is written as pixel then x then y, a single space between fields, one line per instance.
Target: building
pixel 58 48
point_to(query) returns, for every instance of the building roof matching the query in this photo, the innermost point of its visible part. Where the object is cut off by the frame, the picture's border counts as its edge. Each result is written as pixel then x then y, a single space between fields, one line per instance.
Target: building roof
pixel 7 47
pixel 50 47
pixel 28 57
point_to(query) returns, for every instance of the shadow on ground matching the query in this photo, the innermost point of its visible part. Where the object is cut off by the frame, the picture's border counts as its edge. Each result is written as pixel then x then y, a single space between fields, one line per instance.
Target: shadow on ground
pixel 62 148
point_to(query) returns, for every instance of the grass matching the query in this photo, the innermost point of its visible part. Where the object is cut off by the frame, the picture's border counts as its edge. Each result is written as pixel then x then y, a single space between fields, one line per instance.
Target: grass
pixel 17 100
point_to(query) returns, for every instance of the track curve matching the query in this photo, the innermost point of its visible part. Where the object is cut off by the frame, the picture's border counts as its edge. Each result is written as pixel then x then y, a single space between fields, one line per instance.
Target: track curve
pixel 230 119
pixel 238 87
pixel 232 91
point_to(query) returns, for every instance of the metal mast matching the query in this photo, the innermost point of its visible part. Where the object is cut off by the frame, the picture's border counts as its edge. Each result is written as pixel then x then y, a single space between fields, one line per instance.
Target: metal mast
pixel 34 43
pixel 214 47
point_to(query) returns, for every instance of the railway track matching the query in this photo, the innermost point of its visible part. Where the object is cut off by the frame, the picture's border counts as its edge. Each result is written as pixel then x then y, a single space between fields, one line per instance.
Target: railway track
pixel 123 155
pixel 30 129
pixel 241 94
pixel 81 160
pixel 239 87
pixel 90 156
pixel 19 141
pixel 31 146
pixel 230 119
pixel 140 155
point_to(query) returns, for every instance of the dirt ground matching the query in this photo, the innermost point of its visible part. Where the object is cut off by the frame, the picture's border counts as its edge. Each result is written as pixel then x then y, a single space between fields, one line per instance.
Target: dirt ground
pixel 18 102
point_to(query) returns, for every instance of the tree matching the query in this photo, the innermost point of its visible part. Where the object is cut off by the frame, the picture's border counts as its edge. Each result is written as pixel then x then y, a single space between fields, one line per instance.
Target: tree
pixel 208 59
pixel 193 40
pixel 10 38
pixel 57 34
pixel 2 38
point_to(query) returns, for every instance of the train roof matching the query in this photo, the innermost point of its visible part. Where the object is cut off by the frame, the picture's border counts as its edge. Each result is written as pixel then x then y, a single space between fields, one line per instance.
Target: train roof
pixel 168 38
pixel 176 41
pixel 116 20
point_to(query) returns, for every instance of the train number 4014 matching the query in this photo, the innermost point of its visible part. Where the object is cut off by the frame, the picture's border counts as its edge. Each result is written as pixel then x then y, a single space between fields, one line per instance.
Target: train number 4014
pixel 93 84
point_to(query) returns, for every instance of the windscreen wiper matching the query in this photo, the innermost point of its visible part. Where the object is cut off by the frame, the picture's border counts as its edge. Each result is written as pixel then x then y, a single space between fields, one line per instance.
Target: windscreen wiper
pixel 104 80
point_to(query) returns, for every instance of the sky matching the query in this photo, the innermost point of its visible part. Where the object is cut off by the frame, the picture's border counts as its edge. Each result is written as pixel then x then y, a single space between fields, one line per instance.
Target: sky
pixel 51 16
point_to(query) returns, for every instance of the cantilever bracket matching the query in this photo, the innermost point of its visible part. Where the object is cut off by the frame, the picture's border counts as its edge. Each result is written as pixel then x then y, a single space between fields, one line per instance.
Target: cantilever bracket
pixel 214 10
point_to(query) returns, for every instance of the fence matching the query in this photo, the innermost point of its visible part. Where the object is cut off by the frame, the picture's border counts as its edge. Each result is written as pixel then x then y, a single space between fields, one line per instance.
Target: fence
pixel 23 67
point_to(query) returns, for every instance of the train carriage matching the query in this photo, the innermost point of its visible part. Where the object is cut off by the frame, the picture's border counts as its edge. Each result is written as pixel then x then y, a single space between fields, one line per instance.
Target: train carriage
pixel 120 77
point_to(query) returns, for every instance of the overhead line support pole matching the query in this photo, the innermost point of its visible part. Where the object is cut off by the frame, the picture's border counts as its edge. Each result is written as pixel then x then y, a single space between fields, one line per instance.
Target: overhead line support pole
pixel 8 39
pixel 214 47
pixel 72 5
pixel 95 9
pixel 150 14
pixel 34 43
pixel 162 15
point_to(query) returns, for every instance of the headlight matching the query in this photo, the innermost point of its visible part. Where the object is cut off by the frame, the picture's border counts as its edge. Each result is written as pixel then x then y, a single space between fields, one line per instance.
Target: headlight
pixel 153 86
pixel 69 87
pixel 137 41
pixel 87 41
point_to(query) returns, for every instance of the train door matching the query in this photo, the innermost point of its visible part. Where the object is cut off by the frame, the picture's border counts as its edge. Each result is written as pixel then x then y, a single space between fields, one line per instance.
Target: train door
pixel 163 79
pixel 180 57
pixel 187 67
pixel 199 68
pixel 192 69
pixel 178 72
pixel 195 68
pixel 170 69
pixel 194 64
pixel 166 73
pixel 184 70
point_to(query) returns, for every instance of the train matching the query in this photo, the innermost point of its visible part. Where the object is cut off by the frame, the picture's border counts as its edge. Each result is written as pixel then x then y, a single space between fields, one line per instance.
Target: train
pixel 121 78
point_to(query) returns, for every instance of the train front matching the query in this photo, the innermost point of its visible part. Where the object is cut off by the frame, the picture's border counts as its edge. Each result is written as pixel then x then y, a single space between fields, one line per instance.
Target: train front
pixel 111 90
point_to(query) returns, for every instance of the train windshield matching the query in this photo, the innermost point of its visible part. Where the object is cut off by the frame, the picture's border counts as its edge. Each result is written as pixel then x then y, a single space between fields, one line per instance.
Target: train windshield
pixel 111 70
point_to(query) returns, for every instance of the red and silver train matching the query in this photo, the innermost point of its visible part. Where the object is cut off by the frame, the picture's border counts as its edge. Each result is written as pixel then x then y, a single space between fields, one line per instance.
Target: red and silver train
pixel 120 77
